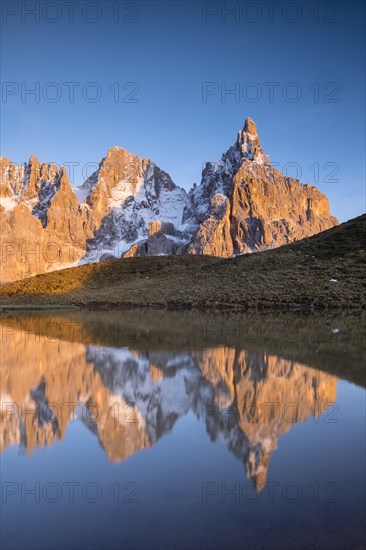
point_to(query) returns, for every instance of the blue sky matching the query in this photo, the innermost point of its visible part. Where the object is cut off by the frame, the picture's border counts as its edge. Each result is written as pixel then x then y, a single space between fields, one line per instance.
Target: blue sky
pixel 162 55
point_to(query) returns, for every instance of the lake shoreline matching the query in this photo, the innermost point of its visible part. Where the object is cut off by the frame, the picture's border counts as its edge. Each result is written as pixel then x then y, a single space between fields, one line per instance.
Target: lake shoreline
pixel 332 341
pixel 222 308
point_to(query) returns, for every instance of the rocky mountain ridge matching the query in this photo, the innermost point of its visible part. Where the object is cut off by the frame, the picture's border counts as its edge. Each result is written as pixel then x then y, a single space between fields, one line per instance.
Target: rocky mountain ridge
pixel 130 207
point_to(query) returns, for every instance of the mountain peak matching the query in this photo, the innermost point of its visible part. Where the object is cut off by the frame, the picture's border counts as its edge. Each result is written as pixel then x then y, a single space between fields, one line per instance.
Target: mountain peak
pixel 116 149
pixel 33 160
pixel 250 126
pixel 119 152
pixel 248 143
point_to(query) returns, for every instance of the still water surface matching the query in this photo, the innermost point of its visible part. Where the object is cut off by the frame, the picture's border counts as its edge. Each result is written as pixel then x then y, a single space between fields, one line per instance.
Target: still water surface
pixel 176 430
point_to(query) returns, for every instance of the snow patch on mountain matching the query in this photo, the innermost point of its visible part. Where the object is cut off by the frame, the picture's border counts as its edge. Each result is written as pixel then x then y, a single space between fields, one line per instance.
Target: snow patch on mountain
pixel 8 203
pixel 144 194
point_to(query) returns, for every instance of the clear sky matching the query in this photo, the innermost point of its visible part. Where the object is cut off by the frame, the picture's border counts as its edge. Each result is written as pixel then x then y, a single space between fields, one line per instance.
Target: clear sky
pixel 297 68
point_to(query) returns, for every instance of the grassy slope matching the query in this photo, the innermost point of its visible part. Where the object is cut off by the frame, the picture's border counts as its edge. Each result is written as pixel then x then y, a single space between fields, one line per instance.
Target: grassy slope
pixel 293 277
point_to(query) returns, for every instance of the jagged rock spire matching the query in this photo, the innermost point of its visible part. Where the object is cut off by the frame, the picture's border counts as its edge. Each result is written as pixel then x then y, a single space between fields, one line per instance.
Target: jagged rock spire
pixel 248 143
pixel 250 126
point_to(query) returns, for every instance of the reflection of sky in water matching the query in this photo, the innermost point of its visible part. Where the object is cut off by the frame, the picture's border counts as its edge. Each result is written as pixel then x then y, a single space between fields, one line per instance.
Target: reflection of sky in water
pixel 180 453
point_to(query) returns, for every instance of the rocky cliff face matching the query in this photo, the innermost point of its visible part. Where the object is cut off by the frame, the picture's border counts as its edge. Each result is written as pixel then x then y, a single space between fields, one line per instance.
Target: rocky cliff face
pixel 41 223
pixel 243 204
pixel 130 207
pixel 123 197
pixel 46 224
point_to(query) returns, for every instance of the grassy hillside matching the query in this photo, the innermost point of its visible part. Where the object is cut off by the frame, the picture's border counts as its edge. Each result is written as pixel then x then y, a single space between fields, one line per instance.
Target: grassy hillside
pixel 326 271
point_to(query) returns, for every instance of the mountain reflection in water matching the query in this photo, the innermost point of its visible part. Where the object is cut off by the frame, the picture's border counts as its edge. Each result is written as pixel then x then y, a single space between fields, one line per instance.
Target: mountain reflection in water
pixel 131 386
